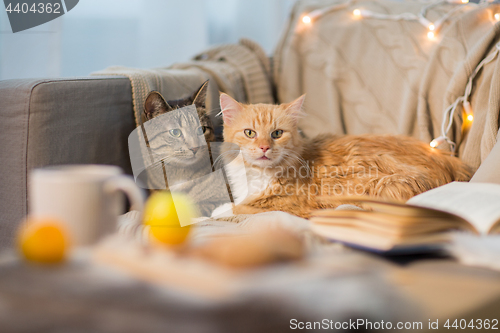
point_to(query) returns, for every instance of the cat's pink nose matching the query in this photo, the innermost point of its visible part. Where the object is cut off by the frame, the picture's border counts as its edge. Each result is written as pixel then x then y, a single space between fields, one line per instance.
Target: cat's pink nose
pixel 264 148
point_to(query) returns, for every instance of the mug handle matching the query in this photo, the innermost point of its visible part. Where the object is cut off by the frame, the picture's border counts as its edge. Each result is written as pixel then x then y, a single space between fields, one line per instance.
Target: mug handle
pixel 127 185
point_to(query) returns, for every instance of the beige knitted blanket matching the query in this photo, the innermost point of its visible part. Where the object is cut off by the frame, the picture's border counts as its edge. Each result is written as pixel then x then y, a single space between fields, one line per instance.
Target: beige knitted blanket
pixel 240 70
pixel 368 75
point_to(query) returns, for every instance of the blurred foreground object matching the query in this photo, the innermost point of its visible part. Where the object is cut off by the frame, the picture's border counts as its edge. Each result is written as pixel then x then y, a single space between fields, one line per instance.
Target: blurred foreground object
pixel 211 268
pixel 162 214
pixel 256 248
pixel 85 198
pixel 43 241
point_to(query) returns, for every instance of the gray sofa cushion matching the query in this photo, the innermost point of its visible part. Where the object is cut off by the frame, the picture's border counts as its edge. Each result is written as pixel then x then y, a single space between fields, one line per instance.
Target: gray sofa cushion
pixel 59 121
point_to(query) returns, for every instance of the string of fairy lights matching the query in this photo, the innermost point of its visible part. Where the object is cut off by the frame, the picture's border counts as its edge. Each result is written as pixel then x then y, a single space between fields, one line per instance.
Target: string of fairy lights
pixel 465 101
pixel 432 31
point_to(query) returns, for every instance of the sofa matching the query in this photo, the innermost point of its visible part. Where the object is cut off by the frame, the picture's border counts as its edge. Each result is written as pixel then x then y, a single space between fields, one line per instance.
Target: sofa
pixel 58 121
pixel 87 120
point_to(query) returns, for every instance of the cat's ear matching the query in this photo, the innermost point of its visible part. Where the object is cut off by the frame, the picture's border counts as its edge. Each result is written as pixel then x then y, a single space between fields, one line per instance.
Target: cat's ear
pixel 200 96
pixel 294 108
pixel 229 108
pixel 155 105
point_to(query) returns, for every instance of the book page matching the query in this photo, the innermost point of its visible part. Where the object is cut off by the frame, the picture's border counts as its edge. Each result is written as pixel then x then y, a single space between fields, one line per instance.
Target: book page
pixel 478 203
pixel 368 240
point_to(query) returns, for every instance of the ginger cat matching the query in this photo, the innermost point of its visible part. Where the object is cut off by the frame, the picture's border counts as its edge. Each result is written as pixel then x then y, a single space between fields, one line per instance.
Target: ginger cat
pixel 287 173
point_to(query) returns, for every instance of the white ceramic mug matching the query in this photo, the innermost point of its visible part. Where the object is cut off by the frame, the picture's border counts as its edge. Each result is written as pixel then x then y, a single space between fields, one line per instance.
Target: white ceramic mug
pixel 86 198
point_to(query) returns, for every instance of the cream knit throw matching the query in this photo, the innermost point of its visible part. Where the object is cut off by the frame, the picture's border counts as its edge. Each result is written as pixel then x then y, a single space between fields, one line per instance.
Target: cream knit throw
pixel 379 76
pixel 241 70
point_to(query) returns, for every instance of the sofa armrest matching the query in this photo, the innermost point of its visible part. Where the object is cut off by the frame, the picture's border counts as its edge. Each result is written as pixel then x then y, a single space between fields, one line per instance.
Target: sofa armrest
pixel 58 121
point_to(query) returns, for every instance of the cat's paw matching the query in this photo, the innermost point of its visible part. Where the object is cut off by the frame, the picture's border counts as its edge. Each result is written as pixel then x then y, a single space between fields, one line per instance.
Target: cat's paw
pixel 223 210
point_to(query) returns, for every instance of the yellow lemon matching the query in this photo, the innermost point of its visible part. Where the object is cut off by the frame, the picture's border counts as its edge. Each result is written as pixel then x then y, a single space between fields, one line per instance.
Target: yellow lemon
pixel 163 213
pixel 43 241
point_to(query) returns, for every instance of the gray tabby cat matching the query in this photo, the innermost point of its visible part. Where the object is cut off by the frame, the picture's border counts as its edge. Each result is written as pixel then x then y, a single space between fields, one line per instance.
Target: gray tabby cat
pixel 180 145
pixel 156 105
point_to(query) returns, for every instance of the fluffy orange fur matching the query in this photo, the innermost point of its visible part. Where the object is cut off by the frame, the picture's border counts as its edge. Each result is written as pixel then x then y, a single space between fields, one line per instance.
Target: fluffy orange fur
pixel 297 175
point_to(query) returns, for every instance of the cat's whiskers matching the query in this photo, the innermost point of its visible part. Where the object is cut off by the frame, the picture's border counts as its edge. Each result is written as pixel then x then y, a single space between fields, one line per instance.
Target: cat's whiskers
pixel 223 155
pixel 213 110
pixel 293 154
pixel 290 162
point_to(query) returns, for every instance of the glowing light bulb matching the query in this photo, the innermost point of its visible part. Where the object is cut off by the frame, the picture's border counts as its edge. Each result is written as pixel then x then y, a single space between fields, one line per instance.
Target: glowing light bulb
pixel 306 19
pixel 497 16
pixel 465 1
pixel 437 141
pixel 470 117
pixel 356 12
pixel 467 108
pixel 431 27
pixel 431 35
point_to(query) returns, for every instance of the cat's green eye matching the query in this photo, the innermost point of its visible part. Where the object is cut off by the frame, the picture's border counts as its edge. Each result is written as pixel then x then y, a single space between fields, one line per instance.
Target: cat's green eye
pixel 250 133
pixel 175 132
pixel 201 130
pixel 277 134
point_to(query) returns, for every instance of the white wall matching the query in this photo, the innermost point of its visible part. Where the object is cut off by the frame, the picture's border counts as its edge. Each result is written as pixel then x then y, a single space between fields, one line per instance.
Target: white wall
pixel 135 33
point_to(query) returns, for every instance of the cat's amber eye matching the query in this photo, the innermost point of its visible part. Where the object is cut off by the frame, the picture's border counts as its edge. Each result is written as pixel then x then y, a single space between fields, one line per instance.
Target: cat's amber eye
pixel 175 132
pixel 250 133
pixel 201 130
pixel 277 134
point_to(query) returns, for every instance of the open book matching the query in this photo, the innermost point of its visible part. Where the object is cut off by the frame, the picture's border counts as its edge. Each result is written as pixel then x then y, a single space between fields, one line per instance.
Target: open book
pixel 424 222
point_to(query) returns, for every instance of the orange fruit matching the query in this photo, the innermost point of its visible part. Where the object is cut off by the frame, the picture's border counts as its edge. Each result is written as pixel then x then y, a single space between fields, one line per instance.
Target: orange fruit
pixel 43 241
